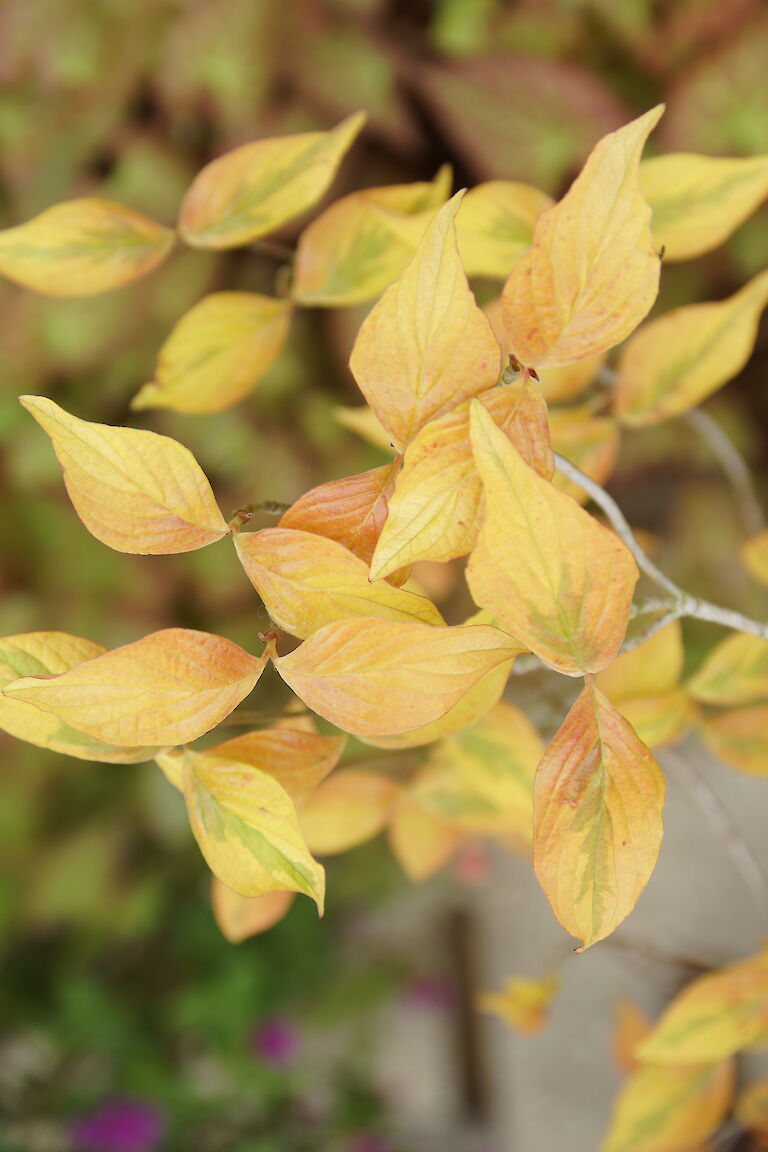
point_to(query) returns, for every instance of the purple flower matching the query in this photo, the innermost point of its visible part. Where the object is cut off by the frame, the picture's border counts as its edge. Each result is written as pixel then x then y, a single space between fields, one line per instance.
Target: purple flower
pixel 119 1125
pixel 276 1042
pixel 369 1142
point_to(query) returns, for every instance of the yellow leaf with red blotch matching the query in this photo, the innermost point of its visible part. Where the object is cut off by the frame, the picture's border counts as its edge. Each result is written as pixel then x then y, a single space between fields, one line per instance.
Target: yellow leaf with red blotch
pixel 49 654
pixel 739 737
pixel 364 423
pixel 677 360
pixel 347 809
pixel 495 225
pixel 698 201
pixel 421 842
pixel 350 511
pixel 246 827
pixel 644 684
pixel 83 247
pixel 474 705
pixel 362 242
pixel 550 574
pixel 256 188
pixel 374 677
pixel 239 917
pixel 591 274
pixel 217 352
pixel 522 1004
pixel 662 1109
pixel 754 554
pixel 425 346
pixel 134 490
pixel 734 672
pixel 434 511
pixel 298 759
pixel 598 799
pixel 307 581
pixel 631 1026
pixel 751 1108
pixel 588 441
pixel 168 688
pixel 713 1017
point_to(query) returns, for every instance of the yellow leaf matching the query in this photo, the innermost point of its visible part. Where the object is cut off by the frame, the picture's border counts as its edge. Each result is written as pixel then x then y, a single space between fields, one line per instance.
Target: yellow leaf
pixel 365 424
pixel 134 490
pixel 660 719
pixel 591 274
pixel 49 654
pixel 246 827
pixel 425 346
pixel 598 798
pixel 663 1109
pixel 434 511
pixel 240 917
pixel 740 738
pixel 350 807
pixel 307 581
pixel 754 554
pixel 550 574
pixel 588 441
pixel 631 1027
pixel 375 677
pixel 751 1108
pixel 698 201
pixel 734 672
pixel 713 1017
pixel 421 842
pixel 360 244
pixel 83 247
pixel 522 1004
pixel 217 352
pixel 168 688
pixel 644 684
pixel 495 225
pixel 256 188
pixel 677 360
pixel 350 511
pixel 299 760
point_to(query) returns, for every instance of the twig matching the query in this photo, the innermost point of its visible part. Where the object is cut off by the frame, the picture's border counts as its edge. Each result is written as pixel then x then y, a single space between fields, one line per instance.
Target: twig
pixel 733 465
pixel 681 603
pixel 648 951
pixel 743 858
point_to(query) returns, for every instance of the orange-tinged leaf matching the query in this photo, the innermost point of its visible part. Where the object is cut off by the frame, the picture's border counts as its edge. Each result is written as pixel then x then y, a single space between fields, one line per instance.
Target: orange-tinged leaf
pixel 168 688
pixel 495 225
pixel 662 1109
pixel 240 917
pixel 375 677
pixel 49 654
pixel 134 490
pixel 256 188
pixel 550 574
pixel 82 247
pixel 698 201
pixel 631 1026
pixel 588 441
pixel 754 553
pixel 247 829
pixel 598 799
pixel 350 511
pixel 347 809
pixel 522 1004
pixel 433 513
pixel 559 385
pixel 307 581
pixel 298 759
pixel 734 672
pixel 425 346
pixel 421 842
pixel 362 242
pixel 677 360
pixel 591 274
pixel 739 737
pixel 751 1109
pixel 217 352
pixel 713 1017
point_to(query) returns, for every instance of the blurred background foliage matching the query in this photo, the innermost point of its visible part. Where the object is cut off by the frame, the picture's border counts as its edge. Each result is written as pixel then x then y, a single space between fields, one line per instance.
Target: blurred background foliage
pixel 123 1010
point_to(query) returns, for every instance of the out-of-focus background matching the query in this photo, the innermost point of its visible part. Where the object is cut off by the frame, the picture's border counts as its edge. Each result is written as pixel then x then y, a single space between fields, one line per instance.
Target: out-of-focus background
pixel 127 1023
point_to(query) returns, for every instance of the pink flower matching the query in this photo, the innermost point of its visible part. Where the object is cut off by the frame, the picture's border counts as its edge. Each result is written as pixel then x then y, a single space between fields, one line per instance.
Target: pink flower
pixel 276 1041
pixel 119 1125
